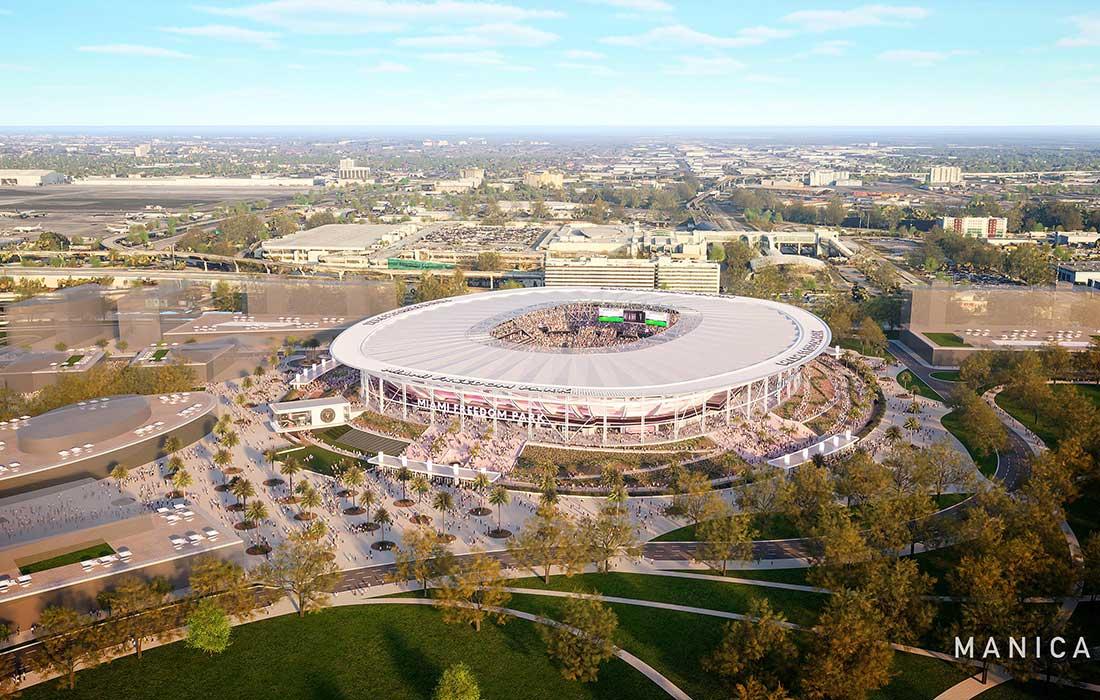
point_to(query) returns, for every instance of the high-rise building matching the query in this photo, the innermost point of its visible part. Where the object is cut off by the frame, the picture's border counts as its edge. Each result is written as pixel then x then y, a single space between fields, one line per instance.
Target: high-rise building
pixel 945 175
pixel 977 226
pixel 825 178
pixel 349 171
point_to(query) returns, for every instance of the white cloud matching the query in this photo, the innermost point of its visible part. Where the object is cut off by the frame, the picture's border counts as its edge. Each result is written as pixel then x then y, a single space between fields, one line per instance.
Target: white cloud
pixel 637 5
pixel 224 32
pixel 361 51
pixel 468 58
pixel 590 68
pixel 831 48
pixel 362 16
pixel 483 36
pixel 918 57
pixel 134 50
pixel 387 67
pixel 673 35
pixel 583 55
pixel 1088 32
pixel 863 16
pixel 699 65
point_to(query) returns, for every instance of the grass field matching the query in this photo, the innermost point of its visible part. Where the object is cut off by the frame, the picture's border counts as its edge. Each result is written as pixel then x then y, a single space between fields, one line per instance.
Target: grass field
pixel 93 552
pixel 949 375
pixel 1048 431
pixel 917 386
pixel 987 463
pixel 394 652
pixel 947 340
pixel 769 526
pixel 315 459
pixel 855 345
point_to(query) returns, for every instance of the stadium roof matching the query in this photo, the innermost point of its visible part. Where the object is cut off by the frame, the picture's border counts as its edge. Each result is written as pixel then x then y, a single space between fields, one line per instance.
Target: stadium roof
pixel 719 342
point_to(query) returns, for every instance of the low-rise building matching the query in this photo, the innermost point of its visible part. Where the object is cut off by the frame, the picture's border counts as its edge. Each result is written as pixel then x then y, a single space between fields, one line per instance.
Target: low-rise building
pixel 30 178
pixel 633 273
pixel 945 175
pixel 346 245
pixel 544 178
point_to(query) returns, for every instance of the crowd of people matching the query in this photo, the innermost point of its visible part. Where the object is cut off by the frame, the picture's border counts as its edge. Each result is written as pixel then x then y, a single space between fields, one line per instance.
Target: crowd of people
pixel 572 326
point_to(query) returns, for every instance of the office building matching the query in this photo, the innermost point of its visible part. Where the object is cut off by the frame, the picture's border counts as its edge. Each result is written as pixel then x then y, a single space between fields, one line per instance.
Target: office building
pixel 945 175
pixel 977 226
pixel 632 273
pixel 827 178
pixel 544 178
pixel 348 170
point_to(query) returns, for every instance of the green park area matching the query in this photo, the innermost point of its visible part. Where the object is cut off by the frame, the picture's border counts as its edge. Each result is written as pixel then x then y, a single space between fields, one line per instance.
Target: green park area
pixel 72 361
pixel 947 375
pixel 947 340
pixel 314 458
pixel 915 385
pixel 100 549
pixel 1047 424
pixel 954 424
pixel 384 651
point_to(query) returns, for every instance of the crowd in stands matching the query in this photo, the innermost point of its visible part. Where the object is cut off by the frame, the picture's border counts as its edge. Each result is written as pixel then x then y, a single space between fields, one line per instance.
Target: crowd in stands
pixel 571 326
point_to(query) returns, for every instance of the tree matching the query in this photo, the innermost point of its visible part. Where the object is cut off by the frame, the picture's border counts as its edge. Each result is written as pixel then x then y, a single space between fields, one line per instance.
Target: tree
pixel 946 468
pixel 382 519
pixel 900 593
pixel 725 537
pixel 225 582
pixel 849 656
pixel 208 628
pixel 548 540
pixel 444 502
pixel 809 494
pixel 489 261
pixel 871 337
pixel 759 648
pixel 421 486
pixel 182 480
pixel 68 640
pixel 457 683
pixel 474 590
pixel 132 615
pixel 120 472
pixel 308 499
pixel 584 640
pixel 291 466
pixel 222 458
pixel 243 490
pixel 987 433
pixel 694 496
pixel 1029 383
pixel 499 497
pixel 256 513
pixel 320 219
pixel 610 534
pixel 422 557
pixel 403 475
pixel 304 570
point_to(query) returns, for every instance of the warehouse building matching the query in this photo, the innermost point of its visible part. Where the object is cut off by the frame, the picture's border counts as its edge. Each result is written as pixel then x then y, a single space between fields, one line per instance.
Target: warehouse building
pixel 345 245
pixel 30 178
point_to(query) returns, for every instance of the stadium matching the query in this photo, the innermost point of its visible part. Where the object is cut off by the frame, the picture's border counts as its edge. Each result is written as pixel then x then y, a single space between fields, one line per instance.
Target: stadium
pixel 652 365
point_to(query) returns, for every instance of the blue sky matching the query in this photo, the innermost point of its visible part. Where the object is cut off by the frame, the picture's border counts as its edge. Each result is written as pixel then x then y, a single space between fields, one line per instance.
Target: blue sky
pixel 528 62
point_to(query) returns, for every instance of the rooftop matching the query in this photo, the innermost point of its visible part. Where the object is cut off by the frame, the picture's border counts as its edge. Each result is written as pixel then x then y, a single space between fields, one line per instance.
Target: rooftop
pixel 335 237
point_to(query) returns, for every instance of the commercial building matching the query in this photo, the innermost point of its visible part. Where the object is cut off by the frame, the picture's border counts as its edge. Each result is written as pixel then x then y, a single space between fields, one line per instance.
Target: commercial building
pixel 653 366
pixel 30 178
pixel 27 371
pixel 1085 272
pixel 544 178
pixel 945 175
pixel 632 273
pixel 976 226
pixel 348 170
pixel 345 245
pixel 827 178
pixel 142 150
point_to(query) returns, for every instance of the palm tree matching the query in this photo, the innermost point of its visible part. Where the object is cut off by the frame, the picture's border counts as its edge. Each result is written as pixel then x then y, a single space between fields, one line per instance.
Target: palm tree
pixel 893 434
pixel 499 497
pixel 243 490
pixel 224 423
pixel 353 479
pixel 175 463
pixel 291 466
pixel 309 500
pixel 912 424
pixel 444 503
pixel 365 499
pixel 256 512
pixel 403 475
pixel 230 439
pixel 222 458
pixel 119 473
pixel 171 444
pixel 382 519
pixel 481 485
pixel 421 486
pixel 181 480
pixel 617 495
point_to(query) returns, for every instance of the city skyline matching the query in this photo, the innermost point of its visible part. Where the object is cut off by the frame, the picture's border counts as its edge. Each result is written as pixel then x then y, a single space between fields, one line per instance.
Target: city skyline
pixel 628 63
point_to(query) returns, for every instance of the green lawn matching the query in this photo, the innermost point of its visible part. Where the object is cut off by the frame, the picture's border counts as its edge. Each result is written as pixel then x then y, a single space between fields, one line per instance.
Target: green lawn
pixel 768 526
pixel 393 652
pixel 73 359
pixel 94 551
pixel 796 576
pixel 950 375
pixel 947 340
pixel 857 346
pixel 799 606
pixel 916 385
pixel 315 458
pixel 986 463
pixel 919 678
pixel 160 354
pixel 1048 433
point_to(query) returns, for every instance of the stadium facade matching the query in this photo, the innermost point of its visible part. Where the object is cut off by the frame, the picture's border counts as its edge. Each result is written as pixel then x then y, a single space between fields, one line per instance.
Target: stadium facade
pixel 653 365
